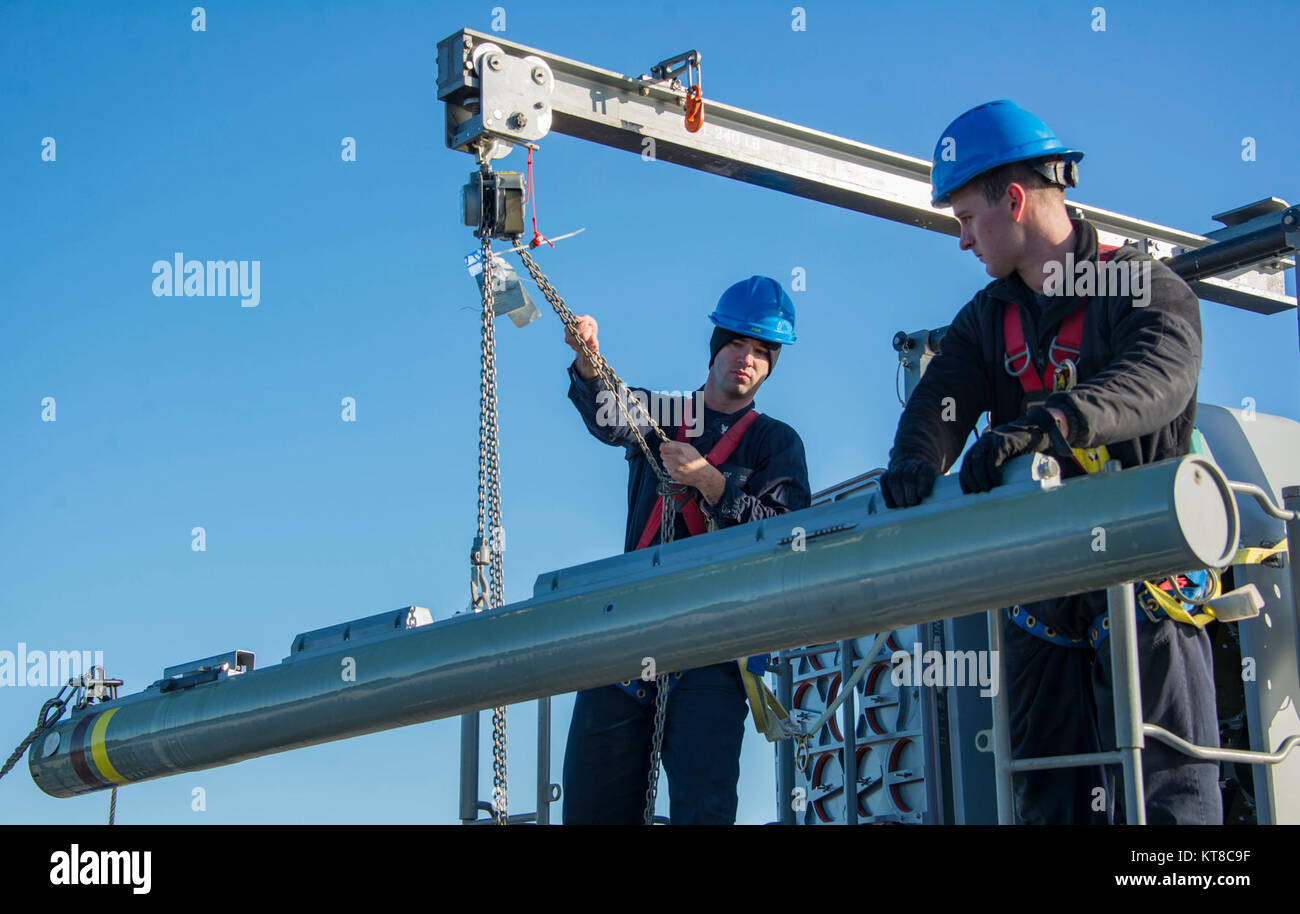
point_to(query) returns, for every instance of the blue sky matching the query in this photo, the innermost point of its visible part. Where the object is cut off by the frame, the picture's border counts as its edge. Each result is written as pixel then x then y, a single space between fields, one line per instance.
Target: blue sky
pixel 224 144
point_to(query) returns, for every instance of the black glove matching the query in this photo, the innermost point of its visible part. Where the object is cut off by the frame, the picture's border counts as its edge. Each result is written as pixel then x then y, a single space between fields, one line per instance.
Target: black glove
pixel 1032 433
pixel 907 482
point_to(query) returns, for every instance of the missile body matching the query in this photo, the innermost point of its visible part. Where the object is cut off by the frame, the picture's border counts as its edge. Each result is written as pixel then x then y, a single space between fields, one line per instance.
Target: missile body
pixel 838 570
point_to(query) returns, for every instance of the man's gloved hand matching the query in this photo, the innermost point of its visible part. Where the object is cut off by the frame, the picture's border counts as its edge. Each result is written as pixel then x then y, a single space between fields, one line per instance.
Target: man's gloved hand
pixel 1032 433
pixel 907 482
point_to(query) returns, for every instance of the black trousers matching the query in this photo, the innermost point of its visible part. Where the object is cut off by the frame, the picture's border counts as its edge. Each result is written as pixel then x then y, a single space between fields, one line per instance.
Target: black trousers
pixel 1062 702
pixel 607 758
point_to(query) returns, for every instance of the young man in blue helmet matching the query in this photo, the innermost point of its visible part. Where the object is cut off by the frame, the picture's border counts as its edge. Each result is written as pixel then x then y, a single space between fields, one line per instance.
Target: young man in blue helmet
pixel 1063 365
pixel 739 466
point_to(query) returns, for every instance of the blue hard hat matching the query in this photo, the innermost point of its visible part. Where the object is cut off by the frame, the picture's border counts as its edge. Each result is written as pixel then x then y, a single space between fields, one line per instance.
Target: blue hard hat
pixel 985 137
pixel 757 307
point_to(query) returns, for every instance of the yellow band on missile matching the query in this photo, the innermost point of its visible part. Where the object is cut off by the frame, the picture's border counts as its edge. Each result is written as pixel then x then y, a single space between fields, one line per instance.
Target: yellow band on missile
pixel 99 753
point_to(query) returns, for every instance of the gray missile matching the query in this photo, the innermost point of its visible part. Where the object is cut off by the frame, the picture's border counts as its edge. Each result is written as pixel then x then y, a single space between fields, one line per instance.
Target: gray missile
pixel 838 570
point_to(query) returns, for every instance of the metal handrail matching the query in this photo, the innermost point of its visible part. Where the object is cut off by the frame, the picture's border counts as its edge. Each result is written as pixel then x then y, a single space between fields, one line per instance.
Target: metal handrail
pixel 1265 500
pixel 1222 755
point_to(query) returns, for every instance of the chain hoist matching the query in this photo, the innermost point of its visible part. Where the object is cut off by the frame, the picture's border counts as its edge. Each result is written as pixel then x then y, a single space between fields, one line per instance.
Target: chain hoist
pixel 486 575
pixel 495 203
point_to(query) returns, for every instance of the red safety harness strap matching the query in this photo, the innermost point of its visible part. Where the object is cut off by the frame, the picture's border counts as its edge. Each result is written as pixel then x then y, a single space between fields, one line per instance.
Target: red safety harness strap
pixel 717 455
pixel 1065 345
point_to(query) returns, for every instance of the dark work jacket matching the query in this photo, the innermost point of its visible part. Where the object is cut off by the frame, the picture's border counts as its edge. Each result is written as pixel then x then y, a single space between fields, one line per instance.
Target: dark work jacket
pixel 767 474
pixel 1136 392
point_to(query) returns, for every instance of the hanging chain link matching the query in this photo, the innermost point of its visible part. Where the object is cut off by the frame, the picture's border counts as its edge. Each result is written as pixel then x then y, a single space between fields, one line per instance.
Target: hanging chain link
pixel 667 514
pixel 488 545
pixel 611 381
pixel 669 490
pixel 656 748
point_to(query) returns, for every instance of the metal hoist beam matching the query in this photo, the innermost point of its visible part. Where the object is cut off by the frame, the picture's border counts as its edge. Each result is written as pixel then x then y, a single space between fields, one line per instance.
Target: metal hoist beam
pixel 515 94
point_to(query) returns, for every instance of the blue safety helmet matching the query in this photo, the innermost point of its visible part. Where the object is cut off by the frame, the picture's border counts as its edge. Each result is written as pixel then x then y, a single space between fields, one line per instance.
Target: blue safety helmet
pixel 757 307
pixel 990 135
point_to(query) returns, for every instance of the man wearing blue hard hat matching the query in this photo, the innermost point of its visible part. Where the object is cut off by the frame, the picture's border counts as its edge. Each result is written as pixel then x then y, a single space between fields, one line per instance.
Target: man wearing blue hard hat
pixel 1089 353
pixel 738 466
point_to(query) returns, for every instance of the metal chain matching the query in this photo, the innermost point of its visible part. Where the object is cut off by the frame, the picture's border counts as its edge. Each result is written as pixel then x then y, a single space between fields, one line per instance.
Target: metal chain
pixel 489 509
pixel 667 528
pixel 656 748
pixel 612 382
pixel 668 490
pixel 499 777
pixel 667 514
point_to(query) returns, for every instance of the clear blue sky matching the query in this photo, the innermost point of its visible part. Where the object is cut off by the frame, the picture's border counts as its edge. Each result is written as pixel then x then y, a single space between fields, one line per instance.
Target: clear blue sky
pixel 181 412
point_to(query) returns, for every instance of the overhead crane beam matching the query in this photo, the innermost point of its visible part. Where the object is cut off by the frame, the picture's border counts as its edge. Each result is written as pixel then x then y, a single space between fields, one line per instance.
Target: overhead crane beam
pixel 625 112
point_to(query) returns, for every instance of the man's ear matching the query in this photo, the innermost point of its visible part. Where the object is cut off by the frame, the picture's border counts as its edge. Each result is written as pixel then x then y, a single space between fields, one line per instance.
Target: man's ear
pixel 1019 201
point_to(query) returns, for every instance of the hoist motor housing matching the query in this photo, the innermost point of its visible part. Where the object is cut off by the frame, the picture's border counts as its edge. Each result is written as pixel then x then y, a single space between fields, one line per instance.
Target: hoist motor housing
pixel 493 203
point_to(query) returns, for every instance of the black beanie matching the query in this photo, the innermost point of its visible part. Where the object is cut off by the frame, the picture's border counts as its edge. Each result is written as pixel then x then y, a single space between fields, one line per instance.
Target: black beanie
pixel 722 336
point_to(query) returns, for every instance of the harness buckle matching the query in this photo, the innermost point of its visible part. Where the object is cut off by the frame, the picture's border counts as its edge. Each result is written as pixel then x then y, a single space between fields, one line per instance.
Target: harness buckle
pixel 1145 603
pixel 1008 359
pixel 1056 344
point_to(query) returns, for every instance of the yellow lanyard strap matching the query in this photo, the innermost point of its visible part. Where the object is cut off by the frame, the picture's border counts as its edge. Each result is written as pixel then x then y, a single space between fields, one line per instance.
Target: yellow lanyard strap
pixel 770 719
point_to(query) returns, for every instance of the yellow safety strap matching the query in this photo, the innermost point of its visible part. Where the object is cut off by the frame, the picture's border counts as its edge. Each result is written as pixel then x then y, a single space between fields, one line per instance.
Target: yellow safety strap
pixel 770 719
pixel 1254 555
pixel 1092 459
pixel 1174 608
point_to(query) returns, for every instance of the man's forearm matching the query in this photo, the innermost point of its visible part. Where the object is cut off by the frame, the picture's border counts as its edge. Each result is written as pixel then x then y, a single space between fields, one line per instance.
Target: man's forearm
pixel 735 506
pixel 712 486
pixel 597 409
pixel 584 368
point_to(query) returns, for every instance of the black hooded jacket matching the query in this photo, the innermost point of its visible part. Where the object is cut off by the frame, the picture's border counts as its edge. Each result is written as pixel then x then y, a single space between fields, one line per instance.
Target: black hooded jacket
pixel 1140 356
pixel 767 475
